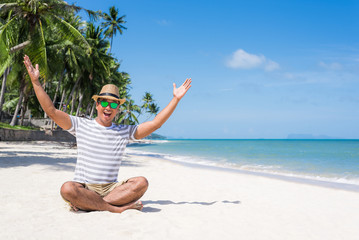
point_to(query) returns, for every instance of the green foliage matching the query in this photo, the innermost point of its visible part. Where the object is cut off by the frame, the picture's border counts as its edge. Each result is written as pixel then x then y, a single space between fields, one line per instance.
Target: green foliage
pixel 5 125
pixel 112 23
pixel 11 104
pixel 73 55
pixel 149 105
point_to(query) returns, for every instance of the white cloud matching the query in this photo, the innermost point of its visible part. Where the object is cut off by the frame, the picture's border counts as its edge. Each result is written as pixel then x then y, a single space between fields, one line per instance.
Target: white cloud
pixel 243 60
pixel 271 65
pixel 331 66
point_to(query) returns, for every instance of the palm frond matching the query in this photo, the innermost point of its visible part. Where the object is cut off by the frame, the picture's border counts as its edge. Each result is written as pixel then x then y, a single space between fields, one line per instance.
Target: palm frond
pixel 7 6
pixel 74 32
pixel 43 52
pixel 134 118
pixel 5 64
pixel 11 103
pixel 4 31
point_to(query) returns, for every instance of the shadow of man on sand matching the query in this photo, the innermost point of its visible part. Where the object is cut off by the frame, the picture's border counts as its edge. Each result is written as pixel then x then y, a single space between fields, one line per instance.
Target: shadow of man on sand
pixel 169 202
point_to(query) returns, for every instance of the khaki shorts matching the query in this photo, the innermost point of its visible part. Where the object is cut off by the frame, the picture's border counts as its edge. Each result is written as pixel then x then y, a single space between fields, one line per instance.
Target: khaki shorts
pixel 102 189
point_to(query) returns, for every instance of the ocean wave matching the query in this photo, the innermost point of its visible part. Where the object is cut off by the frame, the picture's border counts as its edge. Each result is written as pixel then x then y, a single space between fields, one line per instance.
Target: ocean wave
pixel 280 171
pixel 145 142
pixel 266 170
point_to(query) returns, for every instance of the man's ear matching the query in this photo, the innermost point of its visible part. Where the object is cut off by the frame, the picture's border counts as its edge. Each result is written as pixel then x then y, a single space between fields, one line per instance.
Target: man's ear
pixel 97 104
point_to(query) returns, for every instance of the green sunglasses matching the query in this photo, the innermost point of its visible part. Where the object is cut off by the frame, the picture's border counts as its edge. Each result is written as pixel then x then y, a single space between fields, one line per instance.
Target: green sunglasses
pixel 113 105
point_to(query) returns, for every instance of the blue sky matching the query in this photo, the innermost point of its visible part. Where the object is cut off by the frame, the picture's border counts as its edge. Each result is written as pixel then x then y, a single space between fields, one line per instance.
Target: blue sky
pixel 260 69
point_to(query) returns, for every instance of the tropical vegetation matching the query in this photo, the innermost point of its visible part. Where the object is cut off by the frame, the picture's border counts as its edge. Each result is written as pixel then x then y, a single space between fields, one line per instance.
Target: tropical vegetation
pixel 74 56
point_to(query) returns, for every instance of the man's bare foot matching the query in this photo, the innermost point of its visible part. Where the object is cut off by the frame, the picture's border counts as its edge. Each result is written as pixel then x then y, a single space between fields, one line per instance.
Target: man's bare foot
pixel 134 205
pixel 73 208
pixel 137 206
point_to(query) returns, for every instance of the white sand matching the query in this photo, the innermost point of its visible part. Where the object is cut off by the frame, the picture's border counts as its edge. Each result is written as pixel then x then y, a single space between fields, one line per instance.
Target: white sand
pixel 181 203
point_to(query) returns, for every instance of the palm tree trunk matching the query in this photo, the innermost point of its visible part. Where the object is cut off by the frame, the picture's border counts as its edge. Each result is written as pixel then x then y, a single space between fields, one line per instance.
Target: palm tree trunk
pixel 57 89
pixel 80 103
pixel 88 108
pixel 62 100
pixel 44 87
pixel 72 104
pixel 92 110
pixel 14 118
pixel 74 100
pixel 19 47
pixel 29 115
pixel 111 43
pixel 3 88
pixel 73 90
pixel 7 71
pixel 23 109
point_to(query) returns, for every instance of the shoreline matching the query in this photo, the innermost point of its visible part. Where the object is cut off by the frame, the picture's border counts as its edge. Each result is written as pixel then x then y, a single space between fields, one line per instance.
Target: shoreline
pixel 337 183
pixel 279 176
pixel 181 202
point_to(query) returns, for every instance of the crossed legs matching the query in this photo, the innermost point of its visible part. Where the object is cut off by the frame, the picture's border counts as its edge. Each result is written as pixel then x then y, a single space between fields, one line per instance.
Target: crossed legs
pixel 121 198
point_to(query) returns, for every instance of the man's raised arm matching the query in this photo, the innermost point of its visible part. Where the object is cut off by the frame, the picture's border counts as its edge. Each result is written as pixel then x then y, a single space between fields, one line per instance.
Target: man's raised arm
pixel 61 118
pixel 146 128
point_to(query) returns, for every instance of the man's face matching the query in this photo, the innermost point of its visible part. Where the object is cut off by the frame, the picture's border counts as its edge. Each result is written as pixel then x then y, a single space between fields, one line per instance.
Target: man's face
pixel 106 114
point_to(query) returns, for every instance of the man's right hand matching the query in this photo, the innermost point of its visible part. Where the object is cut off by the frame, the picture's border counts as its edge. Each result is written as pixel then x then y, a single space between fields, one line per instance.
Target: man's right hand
pixel 61 118
pixel 34 73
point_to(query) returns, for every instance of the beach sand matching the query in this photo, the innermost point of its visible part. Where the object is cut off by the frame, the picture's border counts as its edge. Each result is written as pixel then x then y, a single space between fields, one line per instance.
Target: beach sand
pixel 182 202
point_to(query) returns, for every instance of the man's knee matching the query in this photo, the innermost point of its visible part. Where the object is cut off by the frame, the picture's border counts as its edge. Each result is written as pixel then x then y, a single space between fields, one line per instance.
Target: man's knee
pixel 68 189
pixel 144 182
pixel 141 183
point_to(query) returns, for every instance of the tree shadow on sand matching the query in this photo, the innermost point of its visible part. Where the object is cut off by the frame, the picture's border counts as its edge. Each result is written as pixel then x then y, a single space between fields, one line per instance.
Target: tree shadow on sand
pixel 169 202
pixel 53 163
pixel 11 159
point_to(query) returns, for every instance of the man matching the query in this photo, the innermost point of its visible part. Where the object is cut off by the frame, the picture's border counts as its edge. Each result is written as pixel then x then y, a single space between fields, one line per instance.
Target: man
pixel 100 146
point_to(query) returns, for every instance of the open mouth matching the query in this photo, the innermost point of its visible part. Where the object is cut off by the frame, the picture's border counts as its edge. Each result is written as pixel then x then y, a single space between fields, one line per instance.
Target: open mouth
pixel 107 114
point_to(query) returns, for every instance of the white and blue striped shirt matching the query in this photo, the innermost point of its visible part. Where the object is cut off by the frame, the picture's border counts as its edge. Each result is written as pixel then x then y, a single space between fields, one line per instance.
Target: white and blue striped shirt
pixel 99 149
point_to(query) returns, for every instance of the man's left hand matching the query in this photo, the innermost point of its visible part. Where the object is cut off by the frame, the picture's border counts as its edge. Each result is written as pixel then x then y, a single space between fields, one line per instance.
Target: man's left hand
pixel 181 91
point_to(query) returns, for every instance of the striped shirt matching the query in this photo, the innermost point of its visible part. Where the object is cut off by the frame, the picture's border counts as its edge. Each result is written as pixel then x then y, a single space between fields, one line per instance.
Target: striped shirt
pixel 99 149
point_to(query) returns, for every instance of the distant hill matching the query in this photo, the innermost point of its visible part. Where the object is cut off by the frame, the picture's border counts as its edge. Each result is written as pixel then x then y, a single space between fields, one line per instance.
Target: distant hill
pixel 155 136
pixel 308 136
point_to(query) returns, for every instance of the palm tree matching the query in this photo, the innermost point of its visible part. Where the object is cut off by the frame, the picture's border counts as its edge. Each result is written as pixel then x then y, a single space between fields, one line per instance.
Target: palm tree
pixel 32 20
pixel 149 106
pixel 8 39
pixel 113 23
pixel 32 17
pixel 18 80
pixel 153 109
pixel 60 50
pixel 147 99
pixel 74 61
pixel 97 72
pixel 3 88
pixel 128 110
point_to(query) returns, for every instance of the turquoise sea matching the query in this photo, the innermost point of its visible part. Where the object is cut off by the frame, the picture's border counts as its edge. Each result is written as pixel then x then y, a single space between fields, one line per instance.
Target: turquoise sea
pixel 323 160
